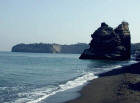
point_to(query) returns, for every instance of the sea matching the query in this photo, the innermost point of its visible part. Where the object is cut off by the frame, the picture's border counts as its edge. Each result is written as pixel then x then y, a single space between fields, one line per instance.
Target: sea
pixel 47 78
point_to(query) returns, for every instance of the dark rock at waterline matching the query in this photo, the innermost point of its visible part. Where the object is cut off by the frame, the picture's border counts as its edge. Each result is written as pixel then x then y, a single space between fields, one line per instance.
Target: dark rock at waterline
pixel 135 48
pixel 138 57
pixel 109 43
pixel 135 51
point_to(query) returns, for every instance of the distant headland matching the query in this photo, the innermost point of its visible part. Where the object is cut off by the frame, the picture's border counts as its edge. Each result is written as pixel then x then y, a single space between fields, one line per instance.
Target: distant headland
pixel 50 48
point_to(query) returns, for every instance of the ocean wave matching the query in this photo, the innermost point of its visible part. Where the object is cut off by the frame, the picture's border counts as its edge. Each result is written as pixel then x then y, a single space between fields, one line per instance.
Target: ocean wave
pixel 39 95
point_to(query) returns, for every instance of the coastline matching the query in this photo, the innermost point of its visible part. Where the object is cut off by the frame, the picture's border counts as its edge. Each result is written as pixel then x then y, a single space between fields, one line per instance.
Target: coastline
pixel 117 86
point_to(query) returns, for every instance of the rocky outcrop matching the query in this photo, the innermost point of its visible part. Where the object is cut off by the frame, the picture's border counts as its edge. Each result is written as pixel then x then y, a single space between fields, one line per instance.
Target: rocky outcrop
pixel 50 48
pixel 109 43
pixel 138 57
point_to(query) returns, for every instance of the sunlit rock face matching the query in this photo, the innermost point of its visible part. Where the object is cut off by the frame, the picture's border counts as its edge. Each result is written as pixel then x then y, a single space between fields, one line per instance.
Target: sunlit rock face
pixel 109 43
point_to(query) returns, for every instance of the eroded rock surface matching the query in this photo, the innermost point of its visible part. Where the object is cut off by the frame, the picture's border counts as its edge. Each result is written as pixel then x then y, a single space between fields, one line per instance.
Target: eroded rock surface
pixel 109 43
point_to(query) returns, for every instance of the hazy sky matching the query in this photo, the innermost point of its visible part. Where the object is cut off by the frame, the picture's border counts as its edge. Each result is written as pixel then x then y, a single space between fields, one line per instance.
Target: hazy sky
pixel 63 21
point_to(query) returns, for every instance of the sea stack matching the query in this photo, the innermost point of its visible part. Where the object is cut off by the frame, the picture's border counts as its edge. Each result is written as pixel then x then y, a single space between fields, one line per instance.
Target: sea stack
pixel 109 43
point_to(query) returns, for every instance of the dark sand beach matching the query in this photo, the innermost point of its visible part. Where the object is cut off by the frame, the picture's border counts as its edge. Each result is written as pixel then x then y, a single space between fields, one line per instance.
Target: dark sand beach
pixel 121 85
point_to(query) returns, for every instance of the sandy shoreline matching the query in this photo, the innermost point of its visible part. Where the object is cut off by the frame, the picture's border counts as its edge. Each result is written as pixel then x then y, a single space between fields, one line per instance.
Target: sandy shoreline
pixel 117 86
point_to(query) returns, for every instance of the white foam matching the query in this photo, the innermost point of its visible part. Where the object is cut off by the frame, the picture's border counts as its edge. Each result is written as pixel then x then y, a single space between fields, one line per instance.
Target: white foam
pixel 133 62
pixel 43 93
pixel 77 82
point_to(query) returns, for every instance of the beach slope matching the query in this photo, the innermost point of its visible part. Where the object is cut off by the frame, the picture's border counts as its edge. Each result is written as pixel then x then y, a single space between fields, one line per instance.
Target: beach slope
pixel 121 85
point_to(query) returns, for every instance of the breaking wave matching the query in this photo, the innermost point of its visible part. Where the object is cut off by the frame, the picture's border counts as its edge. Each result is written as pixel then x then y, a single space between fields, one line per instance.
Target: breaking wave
pixel 43 93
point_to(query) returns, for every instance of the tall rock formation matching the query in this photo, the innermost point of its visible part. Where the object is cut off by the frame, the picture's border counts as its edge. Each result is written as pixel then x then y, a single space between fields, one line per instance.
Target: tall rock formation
pixel 109 43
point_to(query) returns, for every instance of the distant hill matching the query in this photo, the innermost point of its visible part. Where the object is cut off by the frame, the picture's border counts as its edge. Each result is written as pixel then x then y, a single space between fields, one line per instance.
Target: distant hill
pixel 50 48
pixel 57 48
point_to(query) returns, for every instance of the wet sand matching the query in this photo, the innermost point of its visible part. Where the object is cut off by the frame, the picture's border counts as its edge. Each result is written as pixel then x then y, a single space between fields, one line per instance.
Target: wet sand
pixel 121 85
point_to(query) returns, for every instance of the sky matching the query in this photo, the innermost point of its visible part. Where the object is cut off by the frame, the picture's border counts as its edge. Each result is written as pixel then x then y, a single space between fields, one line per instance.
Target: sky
pixel 63 21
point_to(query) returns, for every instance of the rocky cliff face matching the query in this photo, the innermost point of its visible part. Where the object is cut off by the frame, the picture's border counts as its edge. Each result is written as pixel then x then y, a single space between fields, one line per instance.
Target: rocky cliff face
pixel 109 43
